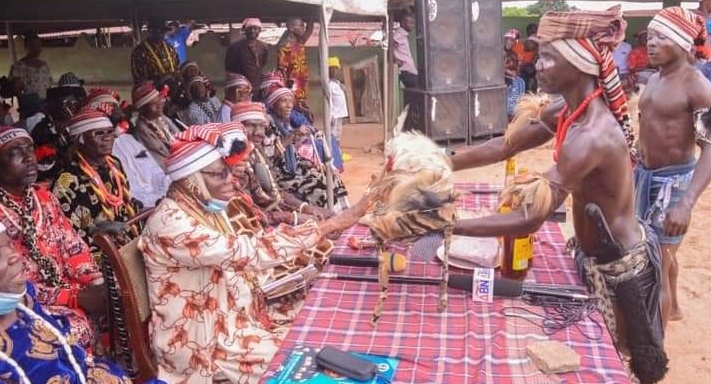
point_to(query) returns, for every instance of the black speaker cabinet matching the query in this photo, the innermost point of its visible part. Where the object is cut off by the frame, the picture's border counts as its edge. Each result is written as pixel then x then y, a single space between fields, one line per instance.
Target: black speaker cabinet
pixel 441 116
pixel 459 43
pixel 443 44
pixel 487 112
pixel 486 44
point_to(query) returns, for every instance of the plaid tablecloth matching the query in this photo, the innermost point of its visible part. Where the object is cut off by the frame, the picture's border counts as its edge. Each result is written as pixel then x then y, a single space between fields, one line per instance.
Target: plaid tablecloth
pixel 471 342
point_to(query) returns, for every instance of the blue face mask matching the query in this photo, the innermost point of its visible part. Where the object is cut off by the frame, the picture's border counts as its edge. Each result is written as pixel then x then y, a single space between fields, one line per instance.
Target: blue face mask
pixel 215 205
pixel 9 301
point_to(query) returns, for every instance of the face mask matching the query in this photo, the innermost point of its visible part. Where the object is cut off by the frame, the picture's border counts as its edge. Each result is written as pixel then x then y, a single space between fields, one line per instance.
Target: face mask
pixel 9 301
pixel 215 205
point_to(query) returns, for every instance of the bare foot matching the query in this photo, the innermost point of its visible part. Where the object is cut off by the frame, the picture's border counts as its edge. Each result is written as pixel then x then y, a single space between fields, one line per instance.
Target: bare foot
pixel 676 314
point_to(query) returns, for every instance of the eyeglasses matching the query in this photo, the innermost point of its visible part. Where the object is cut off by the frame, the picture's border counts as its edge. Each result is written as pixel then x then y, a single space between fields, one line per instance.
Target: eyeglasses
pixel 223 174
pixel 103 132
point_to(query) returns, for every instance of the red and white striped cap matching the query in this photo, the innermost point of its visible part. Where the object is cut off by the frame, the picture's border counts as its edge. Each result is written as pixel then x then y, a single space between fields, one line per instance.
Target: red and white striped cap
pixel 88 120
pixel 236 80
pixel 200 145
pixel 100 96
pixel 248 110
pixel 272 79
pixel 8 134
pixel 144 93
pixel 275 94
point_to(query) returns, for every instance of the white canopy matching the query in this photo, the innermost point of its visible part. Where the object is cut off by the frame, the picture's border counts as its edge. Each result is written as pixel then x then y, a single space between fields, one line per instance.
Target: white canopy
pixel 356 7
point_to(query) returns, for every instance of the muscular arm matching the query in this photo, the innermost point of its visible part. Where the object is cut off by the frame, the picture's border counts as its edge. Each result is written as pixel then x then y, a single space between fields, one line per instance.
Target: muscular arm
pixel 532 135
pixel 497 149
pixel 578 158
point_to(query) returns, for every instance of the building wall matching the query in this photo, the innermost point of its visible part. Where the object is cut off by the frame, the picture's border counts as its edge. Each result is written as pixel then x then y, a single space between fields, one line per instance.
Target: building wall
pixel 112 67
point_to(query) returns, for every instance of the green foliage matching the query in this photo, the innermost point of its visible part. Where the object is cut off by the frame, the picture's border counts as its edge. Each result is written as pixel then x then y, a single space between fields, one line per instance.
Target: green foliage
pixel 515 12
pixel 541 7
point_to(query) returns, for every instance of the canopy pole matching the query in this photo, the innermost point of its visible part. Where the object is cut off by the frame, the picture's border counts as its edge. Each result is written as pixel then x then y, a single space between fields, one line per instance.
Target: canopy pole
pixel 325 88
pixel 387 91
pixel 10 42
pixel 136 26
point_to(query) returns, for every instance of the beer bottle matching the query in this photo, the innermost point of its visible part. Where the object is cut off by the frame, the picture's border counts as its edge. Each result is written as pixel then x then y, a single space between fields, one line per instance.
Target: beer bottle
pixel 518 251
pixel 510 171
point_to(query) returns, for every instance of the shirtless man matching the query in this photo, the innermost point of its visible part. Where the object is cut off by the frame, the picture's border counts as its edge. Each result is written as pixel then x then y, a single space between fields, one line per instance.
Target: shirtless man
pixel 668 178
pixel 593 163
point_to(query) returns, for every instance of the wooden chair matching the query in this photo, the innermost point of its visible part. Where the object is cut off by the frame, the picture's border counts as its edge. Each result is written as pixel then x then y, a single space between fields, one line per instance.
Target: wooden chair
pixel 130 272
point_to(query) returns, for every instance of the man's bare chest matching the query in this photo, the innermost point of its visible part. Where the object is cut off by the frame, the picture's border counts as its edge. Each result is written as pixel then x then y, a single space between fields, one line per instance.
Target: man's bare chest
pixel 663 102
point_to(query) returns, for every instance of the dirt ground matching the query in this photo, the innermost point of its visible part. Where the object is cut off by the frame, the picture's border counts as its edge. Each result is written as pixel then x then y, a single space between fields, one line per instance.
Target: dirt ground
pixel 685 339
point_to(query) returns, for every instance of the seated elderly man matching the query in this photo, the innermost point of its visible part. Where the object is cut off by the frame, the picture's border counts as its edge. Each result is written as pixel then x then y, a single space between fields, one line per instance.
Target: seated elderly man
pixel 237 89
pixel 258 178
pixel 205 262
pixel 298 155
pixel 142 152
pixel 39 347
pixel 204 108
pixel 49 134
pixel 92 187
pixel 55 258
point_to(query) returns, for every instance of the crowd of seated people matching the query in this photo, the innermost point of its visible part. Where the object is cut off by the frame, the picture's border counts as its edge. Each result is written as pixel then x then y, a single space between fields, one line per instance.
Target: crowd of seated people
pixel 245 174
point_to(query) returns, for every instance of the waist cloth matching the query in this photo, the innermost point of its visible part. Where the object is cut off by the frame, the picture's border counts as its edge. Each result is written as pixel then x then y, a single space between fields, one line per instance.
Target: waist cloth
pixel 658 189
pixel 642 263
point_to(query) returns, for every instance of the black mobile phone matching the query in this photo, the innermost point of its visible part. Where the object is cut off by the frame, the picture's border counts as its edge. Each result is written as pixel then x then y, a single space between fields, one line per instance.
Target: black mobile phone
pixel 345 364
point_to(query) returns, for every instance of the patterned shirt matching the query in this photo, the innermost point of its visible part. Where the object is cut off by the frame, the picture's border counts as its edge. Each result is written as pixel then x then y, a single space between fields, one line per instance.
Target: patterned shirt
pixel 203 112
pixel 205 320
pixel 151 62
pixel 81 204
pixel 64 248
pixel 292 63
pixel 35 79
pixel 38 352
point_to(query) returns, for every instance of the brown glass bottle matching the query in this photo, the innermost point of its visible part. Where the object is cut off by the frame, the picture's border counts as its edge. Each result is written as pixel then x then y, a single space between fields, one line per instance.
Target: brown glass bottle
pixel 517 251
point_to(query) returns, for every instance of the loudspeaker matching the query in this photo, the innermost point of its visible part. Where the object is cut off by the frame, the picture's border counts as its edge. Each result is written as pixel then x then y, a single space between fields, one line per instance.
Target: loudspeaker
pixel 442 29
pixel 486 50
pixel 440 115
pixel 459 42
pixel 487 112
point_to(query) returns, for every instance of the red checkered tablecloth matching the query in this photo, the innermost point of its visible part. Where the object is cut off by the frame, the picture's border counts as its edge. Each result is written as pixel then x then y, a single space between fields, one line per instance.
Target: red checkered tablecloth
pixel 471 342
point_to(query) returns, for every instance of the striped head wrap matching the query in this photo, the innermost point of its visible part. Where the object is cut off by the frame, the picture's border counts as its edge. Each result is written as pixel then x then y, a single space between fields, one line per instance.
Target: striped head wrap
pixel 587 39
pixel 236 80
pixel 200 145
pixel 248 110
pixel 197 79
pixel 142 94
pixel 86 121
pixel 98 97
pixel 272 79
pixel 8 134
pixel 277 93
pixel 679 25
